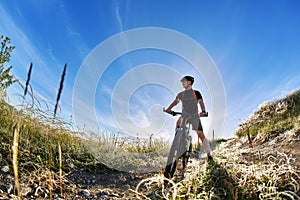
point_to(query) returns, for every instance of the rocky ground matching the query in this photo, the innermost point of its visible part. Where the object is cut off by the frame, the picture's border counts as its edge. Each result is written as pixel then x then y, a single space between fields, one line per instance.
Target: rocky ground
pixel 78 184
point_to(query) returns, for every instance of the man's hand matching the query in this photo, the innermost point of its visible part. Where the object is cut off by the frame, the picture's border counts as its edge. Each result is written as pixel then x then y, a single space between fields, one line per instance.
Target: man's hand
pixel 203 114
pixel 169 110
pixel 174 103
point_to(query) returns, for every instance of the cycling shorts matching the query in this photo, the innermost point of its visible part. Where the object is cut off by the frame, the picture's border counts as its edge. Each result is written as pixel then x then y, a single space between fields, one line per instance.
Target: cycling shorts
pixel 195 122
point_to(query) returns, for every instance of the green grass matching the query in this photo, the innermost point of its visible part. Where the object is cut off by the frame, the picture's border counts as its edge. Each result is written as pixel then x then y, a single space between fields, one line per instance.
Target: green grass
pixel 34 142
pixel 273 118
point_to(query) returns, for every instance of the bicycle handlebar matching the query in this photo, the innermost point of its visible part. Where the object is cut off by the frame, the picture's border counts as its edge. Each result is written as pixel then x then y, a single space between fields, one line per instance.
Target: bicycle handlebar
pixel 179 113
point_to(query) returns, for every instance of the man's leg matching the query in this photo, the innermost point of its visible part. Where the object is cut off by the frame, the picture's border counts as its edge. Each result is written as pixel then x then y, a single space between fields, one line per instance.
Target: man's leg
pixel 204 142
pixel 199 129
pixel 178 123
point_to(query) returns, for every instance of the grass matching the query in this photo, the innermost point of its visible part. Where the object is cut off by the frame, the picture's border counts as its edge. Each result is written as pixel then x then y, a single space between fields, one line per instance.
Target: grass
pixel 273 118
pixel 33 141
pixel 236 173
pixel 131 154
pixel 202 181
pixel 76 150
pixel 261 174
pixel 70 150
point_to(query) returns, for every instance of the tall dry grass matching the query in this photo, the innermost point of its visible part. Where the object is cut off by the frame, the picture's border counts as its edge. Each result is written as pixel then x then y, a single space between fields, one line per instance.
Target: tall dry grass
pixel 24 145
pixel 50 137
pixel 15 147
pixel 32 127
pixel 127 153
pixel 15 144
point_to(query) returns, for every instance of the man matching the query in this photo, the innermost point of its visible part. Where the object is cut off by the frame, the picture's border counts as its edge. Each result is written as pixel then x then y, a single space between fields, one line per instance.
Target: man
pixel 190 99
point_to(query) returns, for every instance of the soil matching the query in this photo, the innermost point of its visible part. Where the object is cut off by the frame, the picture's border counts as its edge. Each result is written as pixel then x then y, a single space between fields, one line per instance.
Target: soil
pixel 79 184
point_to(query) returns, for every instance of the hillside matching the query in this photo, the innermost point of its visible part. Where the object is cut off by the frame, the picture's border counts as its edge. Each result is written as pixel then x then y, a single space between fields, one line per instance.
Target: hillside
pixel 262 162
pixel 273 118
pixel 265 158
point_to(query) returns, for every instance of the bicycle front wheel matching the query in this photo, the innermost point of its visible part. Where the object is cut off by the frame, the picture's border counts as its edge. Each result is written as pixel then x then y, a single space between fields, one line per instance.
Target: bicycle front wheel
pixel 172 158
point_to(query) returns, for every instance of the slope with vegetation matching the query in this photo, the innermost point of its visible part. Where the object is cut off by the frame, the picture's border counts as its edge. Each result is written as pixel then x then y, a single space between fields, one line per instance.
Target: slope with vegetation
pixel 273 118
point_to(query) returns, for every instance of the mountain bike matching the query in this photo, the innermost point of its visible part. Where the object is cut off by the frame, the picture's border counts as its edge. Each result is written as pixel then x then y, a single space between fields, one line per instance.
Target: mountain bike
pixel 181 148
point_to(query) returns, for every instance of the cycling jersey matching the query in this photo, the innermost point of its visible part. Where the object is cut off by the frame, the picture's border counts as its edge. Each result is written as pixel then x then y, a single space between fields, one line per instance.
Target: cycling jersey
pixel 189 99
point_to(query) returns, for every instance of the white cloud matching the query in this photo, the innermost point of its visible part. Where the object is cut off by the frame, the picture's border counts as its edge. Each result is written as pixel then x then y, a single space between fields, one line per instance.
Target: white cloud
pixel 117 10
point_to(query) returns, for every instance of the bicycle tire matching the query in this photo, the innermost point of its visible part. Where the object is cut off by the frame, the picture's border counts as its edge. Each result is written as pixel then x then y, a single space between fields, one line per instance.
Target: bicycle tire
pixel 172 157
pixel 173 169
pixel 187 154
pixel 180 153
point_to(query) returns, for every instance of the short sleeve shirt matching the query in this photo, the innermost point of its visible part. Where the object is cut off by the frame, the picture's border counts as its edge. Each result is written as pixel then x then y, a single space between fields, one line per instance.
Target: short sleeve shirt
pixel 189 99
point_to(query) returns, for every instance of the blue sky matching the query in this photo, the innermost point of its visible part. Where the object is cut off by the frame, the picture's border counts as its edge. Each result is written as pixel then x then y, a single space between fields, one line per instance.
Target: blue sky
pixel 254 44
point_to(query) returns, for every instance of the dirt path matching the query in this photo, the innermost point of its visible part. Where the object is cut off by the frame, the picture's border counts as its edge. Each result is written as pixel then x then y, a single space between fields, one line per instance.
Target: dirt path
pixel 81 184
pixel 77 185
pixel 109 185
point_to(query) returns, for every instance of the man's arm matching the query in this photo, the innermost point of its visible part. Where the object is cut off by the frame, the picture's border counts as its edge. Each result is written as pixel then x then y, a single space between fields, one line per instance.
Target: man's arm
pixel 202 106
pixel 200 100
pixel 174 103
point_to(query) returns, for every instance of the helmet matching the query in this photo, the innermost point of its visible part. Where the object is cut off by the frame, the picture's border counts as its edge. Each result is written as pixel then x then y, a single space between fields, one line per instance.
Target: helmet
pixel 188 78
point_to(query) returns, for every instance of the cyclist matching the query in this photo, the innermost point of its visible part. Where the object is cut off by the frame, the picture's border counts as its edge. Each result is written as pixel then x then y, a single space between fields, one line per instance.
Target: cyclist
pixel 190 99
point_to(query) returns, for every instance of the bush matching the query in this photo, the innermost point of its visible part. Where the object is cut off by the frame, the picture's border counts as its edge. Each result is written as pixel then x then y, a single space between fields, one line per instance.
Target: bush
pixel 6 79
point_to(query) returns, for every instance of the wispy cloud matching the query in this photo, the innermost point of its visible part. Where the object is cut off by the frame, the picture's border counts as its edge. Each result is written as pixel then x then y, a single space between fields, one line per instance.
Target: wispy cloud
pixel 117 10
pixel 19 39
pixel 79 44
